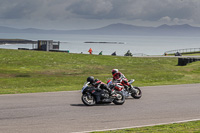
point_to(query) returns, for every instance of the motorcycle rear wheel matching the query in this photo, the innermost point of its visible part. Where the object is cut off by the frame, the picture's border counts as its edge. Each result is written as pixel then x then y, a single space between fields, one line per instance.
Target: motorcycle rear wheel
pixel 137 95
pixel 120 99
pixel 88 100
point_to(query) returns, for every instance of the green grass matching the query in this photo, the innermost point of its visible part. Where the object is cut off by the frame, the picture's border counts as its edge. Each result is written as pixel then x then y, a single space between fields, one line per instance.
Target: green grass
pixel 36 71
pixel 187 127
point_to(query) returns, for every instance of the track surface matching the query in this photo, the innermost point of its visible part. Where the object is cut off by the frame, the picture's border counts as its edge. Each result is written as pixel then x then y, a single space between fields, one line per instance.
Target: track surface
pixel 64 112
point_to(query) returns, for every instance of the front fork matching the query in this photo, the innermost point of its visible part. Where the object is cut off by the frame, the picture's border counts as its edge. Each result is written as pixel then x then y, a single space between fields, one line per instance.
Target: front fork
pixel 133 90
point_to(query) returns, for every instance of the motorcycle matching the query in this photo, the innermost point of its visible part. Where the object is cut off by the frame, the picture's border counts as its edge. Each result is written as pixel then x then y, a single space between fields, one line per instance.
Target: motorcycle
pixel 92 96
pixel 133 91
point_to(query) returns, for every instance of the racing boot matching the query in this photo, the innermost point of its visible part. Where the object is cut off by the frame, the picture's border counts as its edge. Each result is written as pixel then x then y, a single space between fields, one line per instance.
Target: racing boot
pixel 111 92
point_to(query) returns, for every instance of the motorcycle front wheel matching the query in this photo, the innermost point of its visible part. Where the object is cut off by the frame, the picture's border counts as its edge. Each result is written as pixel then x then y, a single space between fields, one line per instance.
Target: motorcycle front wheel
pixel 138 94
pixel 88 100
pixel 119 99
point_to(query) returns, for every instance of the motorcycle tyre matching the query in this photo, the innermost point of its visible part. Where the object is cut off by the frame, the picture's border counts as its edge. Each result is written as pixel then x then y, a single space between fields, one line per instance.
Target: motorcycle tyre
pixel 86 102
pixel 117 102
pixel 137 96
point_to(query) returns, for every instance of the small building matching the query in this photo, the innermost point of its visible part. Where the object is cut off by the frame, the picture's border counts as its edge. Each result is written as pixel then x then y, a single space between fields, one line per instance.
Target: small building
pixel 48 45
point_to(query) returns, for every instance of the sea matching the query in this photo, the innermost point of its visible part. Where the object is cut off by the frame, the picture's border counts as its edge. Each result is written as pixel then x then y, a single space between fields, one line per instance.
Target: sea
pixel 138 45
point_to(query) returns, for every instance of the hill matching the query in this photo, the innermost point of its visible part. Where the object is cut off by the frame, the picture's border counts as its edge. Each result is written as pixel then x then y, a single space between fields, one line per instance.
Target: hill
pixel 118 29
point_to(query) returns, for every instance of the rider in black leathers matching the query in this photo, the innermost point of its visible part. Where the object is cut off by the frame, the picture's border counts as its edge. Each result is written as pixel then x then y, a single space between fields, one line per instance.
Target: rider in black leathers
pixel 99 86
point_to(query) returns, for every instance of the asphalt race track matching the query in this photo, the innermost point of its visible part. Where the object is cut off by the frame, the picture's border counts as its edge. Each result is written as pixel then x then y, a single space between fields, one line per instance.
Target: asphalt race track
pixel 64 112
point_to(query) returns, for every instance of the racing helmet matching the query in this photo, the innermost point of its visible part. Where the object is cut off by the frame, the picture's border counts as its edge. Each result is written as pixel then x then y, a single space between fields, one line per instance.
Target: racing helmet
pixel 115 71
pixel 90 79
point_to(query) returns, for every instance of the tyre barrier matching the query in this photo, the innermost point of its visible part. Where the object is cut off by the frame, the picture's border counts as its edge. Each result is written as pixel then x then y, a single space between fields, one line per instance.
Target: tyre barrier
pixel 185 61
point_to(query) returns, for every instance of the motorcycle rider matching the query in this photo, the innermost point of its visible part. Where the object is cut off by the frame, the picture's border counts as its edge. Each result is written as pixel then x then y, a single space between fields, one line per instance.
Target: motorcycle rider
pixel 118 77
pixel 99 84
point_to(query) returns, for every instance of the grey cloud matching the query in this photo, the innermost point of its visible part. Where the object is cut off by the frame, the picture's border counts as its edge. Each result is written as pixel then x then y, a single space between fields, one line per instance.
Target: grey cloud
pixel 91 8
pixel 10 9
pixel 99 9
pixel 133 9
pixel 129 10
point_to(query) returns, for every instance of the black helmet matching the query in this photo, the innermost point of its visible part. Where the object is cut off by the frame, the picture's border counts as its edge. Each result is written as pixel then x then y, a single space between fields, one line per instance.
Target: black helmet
pixel 90 79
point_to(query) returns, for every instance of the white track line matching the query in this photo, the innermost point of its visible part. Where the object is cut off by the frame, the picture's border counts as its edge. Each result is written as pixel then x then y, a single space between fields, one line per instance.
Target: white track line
pixel 140 126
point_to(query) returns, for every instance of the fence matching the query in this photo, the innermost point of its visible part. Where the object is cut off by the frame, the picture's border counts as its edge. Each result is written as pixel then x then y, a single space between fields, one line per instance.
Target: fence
pixel 188 50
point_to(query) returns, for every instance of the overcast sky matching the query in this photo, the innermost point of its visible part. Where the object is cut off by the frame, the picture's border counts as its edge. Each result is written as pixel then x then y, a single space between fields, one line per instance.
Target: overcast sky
pixel 89 14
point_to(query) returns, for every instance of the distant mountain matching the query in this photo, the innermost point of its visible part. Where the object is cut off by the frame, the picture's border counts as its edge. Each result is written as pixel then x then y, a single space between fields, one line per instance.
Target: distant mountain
pixel 177 27
pixel 4 29
pixel 118 29
pixel 184 29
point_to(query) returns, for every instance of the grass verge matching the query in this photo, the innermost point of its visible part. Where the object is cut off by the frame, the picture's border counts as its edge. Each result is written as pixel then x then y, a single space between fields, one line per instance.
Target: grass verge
pixel 36 71
pixel 187 127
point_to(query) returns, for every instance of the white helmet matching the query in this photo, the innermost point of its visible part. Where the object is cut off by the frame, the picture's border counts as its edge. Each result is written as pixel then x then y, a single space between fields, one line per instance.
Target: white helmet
pixel 115 71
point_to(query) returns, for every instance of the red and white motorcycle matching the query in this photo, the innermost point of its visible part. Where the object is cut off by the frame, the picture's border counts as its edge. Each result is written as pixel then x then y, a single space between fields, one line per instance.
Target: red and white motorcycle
pixel 127 91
